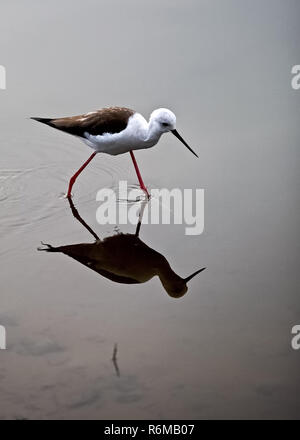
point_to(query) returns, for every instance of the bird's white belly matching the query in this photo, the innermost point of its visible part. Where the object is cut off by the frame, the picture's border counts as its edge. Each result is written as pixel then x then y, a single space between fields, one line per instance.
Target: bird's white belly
pixel 132 138
pixel 112 144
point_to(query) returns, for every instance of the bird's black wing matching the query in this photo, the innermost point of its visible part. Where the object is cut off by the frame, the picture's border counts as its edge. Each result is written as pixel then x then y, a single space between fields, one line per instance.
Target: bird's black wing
pixel 106 120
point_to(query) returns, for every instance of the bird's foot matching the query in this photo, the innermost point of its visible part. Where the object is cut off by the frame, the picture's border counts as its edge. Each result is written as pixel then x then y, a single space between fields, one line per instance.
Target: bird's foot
pixel 143 188
pixel 68 196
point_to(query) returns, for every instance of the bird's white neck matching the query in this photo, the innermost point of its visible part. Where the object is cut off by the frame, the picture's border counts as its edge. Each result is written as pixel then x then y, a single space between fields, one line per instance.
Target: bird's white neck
pixel 153 133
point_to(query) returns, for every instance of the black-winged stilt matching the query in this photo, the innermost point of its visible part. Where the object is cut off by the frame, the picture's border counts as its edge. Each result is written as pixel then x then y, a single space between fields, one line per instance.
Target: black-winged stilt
pixel 117 130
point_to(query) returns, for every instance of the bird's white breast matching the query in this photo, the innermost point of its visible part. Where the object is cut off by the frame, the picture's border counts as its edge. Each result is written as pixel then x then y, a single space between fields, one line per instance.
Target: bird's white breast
pixel 132 138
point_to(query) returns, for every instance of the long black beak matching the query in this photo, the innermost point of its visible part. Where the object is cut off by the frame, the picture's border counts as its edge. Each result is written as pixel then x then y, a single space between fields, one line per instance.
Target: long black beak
pixel 175 132
pixel 193 274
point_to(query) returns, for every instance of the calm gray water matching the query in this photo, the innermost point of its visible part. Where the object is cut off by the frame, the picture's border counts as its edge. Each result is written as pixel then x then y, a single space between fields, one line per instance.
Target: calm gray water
pixel 224 349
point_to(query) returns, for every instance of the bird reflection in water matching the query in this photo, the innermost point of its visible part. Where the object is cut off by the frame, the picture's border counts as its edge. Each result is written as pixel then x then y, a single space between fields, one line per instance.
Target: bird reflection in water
pixel 124 258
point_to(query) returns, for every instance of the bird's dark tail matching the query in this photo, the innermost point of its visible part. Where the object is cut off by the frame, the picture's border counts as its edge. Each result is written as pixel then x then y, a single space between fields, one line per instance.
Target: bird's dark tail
pixel 49 248
pixel 47 121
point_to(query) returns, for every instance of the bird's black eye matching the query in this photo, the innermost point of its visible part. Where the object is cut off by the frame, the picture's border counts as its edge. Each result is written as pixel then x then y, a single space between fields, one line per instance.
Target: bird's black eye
pixel 165 124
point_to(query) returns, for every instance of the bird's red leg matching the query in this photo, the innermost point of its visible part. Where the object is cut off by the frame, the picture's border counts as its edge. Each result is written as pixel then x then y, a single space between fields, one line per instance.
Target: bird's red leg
pixel 73 178
pixel 142 185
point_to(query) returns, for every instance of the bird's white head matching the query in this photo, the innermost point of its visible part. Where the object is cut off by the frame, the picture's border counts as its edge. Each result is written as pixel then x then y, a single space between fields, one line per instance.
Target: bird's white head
pixel 163 119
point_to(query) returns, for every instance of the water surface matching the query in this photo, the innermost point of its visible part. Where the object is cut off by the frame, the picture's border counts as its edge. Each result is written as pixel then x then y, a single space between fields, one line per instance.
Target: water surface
pixel 223 349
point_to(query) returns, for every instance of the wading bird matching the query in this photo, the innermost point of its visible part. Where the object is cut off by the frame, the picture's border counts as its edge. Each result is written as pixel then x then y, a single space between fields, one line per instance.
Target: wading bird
pixel 117 130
